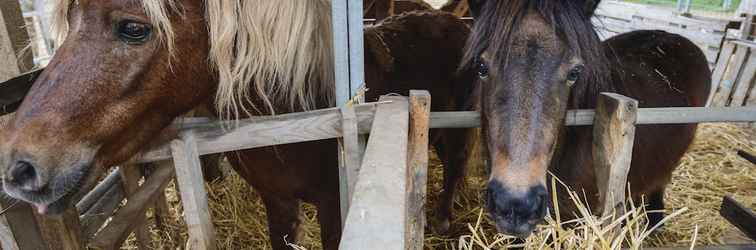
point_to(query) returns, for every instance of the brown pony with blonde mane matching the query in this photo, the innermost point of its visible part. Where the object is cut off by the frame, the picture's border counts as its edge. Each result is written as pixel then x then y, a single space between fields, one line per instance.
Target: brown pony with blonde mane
pixel 126 69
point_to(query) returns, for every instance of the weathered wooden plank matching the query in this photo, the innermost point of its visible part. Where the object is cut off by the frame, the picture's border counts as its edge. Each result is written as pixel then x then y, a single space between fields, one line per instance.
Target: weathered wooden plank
pixel 740 216
pixel 719 70
pixel 376 219
pixel 213 138
pixel 722 98
pixel 61 231
pixel 613 136
pixel 130 176
pixel 226 136
pixel 126 219
pixel 99 204
pixel 191 184
pixel 471 119
pixel 351 158
pixel 417 167
pixel 20 221
pixel 745 80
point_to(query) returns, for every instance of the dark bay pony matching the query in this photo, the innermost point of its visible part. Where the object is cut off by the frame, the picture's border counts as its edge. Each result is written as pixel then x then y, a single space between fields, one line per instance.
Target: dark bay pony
pixel 538 58
pixel 127 69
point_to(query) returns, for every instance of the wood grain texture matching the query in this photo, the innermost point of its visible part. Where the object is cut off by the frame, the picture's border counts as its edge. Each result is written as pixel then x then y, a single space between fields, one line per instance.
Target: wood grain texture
pixel 226 136
pixel 127 218
pixel 99 204
pixel 613 137
pixel 61 231
pixel 377 216
pixel 417 167
pixel 130 176
pixel 471 119
pixel 745 81
pixel 722 63
pixel 350 158
pixel 734 67
pixel 191 184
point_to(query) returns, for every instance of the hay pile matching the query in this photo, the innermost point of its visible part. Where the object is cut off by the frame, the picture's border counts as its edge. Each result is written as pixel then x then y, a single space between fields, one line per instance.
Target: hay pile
pixel 710 170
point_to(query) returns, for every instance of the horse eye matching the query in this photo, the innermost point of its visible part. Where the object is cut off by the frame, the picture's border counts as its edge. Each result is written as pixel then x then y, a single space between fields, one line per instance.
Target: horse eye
pixel 482 70
pixel 133 32
pixel 574 75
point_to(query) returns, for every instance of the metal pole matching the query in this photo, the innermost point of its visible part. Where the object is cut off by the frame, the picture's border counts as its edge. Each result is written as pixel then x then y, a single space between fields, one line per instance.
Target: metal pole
pixel 349 69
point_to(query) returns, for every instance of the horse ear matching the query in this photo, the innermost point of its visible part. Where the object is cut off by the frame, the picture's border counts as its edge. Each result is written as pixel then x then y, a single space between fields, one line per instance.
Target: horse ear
pixel 476 6
pixel 376 48
pixel 590 7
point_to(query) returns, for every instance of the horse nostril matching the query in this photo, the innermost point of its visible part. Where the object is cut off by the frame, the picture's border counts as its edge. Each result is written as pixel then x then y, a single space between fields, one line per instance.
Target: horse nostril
pixel 22 172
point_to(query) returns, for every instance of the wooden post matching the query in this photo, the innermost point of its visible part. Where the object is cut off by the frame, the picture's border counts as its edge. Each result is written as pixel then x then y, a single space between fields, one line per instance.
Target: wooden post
pixel 61 231
pixel 191 184
pixel 377 216
pixel 613 136
pixel 350 158
pixel 417 167
pixel 130 216
pixel 747 26
pixel 131 175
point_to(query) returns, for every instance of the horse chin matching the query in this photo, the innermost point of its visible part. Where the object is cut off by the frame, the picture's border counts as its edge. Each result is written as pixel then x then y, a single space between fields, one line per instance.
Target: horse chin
pixel 522 231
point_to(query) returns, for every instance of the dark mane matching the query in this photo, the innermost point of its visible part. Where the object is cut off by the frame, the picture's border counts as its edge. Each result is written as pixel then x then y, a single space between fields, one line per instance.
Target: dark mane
pixel 499 21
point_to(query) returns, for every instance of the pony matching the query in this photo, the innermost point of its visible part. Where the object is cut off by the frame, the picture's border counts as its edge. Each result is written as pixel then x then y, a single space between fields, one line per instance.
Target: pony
pixel 126 69
pixel 535 59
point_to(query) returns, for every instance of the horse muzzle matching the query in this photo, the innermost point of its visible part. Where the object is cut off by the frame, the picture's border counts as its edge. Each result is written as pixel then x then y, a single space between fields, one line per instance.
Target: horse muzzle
pixel 516 214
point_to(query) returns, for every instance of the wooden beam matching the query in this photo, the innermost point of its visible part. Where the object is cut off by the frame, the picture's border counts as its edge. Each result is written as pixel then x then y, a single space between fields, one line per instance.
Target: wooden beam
pixel 191 184
pixel 377 216
pixel 744 80
pixel 130 176
pixel 740 216
pixel 99 204
pixel 722 62
pixel 613 137
pixel 227 136
pixel 19 230
pixel 417 167
pixel 351 158
pixel 125 220
pixel 61 231
pixel 682 115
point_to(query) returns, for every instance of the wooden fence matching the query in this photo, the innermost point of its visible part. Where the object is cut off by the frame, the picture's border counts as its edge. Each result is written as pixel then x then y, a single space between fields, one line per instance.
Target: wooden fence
pixel 613 18
pixel 733 78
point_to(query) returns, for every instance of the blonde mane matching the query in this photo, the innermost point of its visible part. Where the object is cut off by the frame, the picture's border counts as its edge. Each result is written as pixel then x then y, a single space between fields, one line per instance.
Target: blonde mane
pixel 277 51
